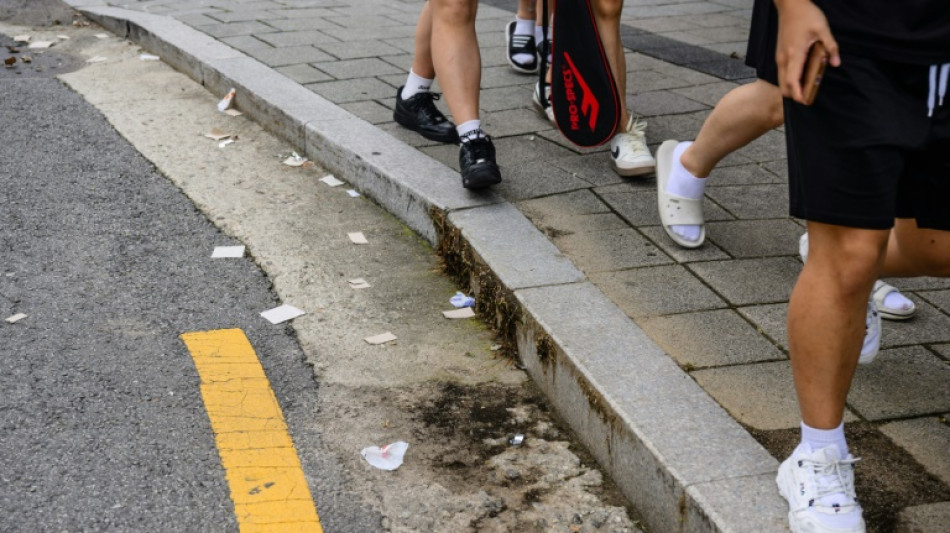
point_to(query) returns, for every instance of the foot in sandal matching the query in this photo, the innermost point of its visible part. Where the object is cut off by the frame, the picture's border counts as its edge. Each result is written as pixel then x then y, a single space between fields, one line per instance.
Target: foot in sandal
pixel 679 197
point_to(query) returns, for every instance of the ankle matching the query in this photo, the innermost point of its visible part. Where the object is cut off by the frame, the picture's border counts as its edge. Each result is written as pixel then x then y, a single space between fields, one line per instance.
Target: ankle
pixel 689 162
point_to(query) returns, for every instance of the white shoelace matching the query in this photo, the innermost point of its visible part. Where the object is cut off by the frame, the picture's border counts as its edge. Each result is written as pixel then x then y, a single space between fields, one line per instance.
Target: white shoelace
pixel 939 75
pixel 634 137
pixel 833 477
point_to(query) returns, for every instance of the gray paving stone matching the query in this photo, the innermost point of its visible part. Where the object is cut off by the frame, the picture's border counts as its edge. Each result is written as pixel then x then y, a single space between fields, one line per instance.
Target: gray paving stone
pixel 760 395
pixel 644 81
pixel 610 250
pixel 923 518
pixel 246 43
pixel 512 122
pixel 750 174
pixel 662 103
pixel 376 22
pixel 297 22
pixel 751 281
pixel 927 439
pixel 752 201
pixel 532 179
pixel 380 33
pixel 709 339
pixel 358 68
pixel 770 319
pixel 595 169
pixel 755 238
pixel 415 140
pixel 372 112
pixel 708 94
pixel 656 291
pixel 196 20
pixel 901 382
pixel 517 150
pixel 500 76
pixel 679 127
pixel 290 55
pixel 940 299
pixel 286 39
pixel 748 504
pixel 707 252
pixel 554 210
pixel 922 283
pixel 358 49
pixel 639 207
pixel 406 44
pixel 233 29
pixel 247 15
pixel 768 147
pixel 506 257
pixel 505 98
pixel 344 91
pixel 929 325
pixel 942 350
pixel 304 74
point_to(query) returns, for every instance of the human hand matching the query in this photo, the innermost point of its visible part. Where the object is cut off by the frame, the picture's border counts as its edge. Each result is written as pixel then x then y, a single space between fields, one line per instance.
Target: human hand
pixel 800 24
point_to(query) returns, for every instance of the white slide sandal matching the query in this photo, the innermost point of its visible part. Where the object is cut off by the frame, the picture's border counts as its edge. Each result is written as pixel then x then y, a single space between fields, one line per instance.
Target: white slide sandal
pixel 676 210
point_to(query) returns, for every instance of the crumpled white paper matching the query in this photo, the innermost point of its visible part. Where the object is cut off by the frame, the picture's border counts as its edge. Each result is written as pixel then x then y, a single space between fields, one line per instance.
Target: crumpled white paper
pixel 460 300
pixel 388 457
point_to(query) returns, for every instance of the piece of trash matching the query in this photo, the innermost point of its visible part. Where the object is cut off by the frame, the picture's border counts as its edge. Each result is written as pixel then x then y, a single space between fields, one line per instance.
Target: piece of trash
pixel 149 57
pixel 517 440
pixel 460 300
pixel 495 347
pixel 465 312
pixel 26 59
pixel 102 35
pixel 382 338
pixel 10 61
pixel 15 318
pixel 225 142
pixel 358 283
pixel 530 137
pixel 97 59
pixel 295 160
pixel 22 38
pixel 282 313
pixel 331 180
pixel 388 457
pixel 357 237
pixel 63 37
pixel 217 134
pixel 225 102
pixel 41 44
pixel 221 252
pixel 233 112
pixel 352 193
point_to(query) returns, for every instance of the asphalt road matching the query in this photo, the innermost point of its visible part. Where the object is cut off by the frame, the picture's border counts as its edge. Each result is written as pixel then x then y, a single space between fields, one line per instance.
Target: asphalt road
pixel 102 424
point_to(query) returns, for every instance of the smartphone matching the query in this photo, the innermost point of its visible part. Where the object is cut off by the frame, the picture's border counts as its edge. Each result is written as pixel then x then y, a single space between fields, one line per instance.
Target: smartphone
pixel 814 70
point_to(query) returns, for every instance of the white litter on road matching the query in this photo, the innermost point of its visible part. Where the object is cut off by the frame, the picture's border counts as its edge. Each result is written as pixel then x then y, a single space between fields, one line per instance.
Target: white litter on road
pixel 102 35
pixel 15 318
pixel 149 57
pixel 282 314
pixel 331 180
pixel 388 457
pixel 358 283
pixel 465 312
pixel 295 160
pixel 22 38
pixel 233 112
pixel 225 142
pixel 217 134
pixel 460 300
pixel 41 44
pixel 221 252
pixel 225 102
pixel 353 193
pixel 357 237
pixel 97 59
pixel 382 338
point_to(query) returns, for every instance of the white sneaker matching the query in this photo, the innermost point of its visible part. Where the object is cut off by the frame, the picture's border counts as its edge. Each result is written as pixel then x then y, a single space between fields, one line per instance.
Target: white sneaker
pixel 872 335
pixel 819 488
pixel 629 154
pixel 543 105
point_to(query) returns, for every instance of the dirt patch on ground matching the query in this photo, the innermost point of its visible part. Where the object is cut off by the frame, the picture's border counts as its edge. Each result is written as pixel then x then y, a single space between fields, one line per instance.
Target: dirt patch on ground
pixel 36 12
pixel 887 478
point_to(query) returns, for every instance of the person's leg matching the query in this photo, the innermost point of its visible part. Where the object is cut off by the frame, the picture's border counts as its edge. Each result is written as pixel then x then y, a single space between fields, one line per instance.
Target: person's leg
pixel 628 149
pixel 520 39
pixel 415 105
pixel 912 251
pixel 456 56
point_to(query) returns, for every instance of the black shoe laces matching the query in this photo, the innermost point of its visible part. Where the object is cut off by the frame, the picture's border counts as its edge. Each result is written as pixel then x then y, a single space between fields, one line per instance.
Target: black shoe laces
pixel 424 103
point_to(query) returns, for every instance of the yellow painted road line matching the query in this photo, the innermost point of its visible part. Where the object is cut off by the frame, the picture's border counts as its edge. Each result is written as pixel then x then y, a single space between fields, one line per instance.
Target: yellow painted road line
pixel 268 487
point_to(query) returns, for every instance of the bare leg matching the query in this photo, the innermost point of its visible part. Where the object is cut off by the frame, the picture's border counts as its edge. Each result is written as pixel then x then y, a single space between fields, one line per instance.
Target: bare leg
pixel 826 317
pixel 607 17
pixel 456 57
pixel 741 116
pixel 912 251
pixel 422 60
pixel 525 9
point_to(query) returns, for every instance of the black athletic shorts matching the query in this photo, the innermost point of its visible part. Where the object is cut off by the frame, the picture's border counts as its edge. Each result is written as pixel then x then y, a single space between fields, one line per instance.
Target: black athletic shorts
pixel 866 151
pixel 763 36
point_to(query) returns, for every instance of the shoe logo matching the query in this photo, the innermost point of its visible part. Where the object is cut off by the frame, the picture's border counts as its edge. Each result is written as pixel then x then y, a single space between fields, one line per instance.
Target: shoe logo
pixel 589 105
pixel 615 152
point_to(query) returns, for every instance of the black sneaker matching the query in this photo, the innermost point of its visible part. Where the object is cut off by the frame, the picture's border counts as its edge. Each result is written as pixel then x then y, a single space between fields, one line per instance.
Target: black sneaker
pixel 477 161
pixel 418 113
pixel 520 44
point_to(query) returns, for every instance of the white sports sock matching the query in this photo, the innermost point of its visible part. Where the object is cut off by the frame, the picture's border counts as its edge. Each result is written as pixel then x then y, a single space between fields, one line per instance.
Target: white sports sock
pixel 523 27
pixel 415 84
pixel 469 126
pixel 817 439
pixel 682 183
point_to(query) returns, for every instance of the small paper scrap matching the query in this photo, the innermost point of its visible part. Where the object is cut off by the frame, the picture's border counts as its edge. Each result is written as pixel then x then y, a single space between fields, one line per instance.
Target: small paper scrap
pixel 358 283
pixel 295 160
pixel 460 300
pixel 102 35
pixel 221 252
pixel 233 112
pixel 357 237
pixel 382 338
pixel 22 38
pixel 331 180
pixel 149 57
pixel 15 318
pixel 353 193
pixel 388 457
pixel 225 102
pixel 282 314
pixel 465 312
pixel 97 59
pixel 41 44
pixel 217 134
pixel 63 37
pixel 225 142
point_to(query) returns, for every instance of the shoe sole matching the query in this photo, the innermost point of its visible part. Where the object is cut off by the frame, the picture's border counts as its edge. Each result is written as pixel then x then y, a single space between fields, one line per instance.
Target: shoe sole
pixel 475 185
pixel 409 124
pixel 511 62
pixel 635 171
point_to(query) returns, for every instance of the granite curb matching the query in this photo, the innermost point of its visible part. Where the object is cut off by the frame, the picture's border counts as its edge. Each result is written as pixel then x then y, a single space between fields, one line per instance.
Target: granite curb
pixel 683 462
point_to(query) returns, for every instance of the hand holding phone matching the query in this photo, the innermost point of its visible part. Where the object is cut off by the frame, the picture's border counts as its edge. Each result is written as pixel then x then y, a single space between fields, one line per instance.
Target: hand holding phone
pixel 814 70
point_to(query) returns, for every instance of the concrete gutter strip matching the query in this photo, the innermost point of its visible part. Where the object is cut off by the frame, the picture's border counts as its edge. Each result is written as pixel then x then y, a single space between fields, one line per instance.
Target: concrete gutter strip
pixel 683 462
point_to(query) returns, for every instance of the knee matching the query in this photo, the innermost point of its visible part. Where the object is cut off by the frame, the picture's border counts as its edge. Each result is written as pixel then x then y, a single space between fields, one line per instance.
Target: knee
pixel 853 262
pixel 608 9
pixel 454 12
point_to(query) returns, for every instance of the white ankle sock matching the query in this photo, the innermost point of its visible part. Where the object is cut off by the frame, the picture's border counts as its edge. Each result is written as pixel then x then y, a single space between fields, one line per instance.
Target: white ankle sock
pixel 469 126
pixel 817 439
pixel 523 27
pixel 415 84
pixel 683 183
